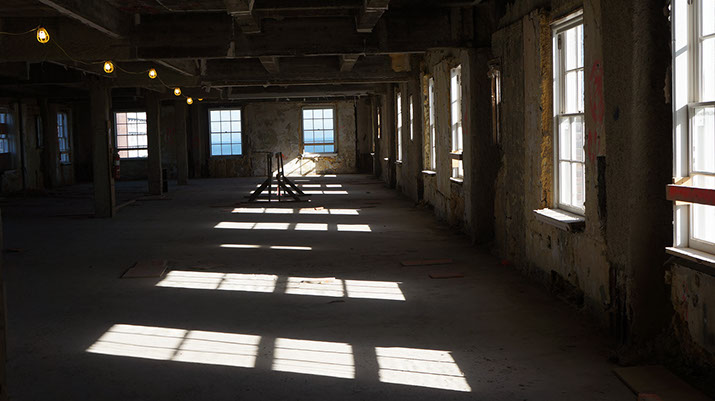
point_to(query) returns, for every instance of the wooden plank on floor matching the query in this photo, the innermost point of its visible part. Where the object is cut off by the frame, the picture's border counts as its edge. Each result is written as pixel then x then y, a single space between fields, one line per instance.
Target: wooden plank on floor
pixel 146 269
pixel 649 381
pixel 426 262
pixel 444 275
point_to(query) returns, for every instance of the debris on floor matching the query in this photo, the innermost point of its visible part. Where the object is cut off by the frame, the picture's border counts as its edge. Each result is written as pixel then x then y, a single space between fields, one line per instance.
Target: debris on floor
pixel 146 269
pixel 426 262
pixel 649 382
pixel 444 275
pixel 326 280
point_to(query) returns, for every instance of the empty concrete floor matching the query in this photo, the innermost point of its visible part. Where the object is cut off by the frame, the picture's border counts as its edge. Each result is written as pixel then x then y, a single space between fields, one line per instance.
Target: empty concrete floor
pixel 302 305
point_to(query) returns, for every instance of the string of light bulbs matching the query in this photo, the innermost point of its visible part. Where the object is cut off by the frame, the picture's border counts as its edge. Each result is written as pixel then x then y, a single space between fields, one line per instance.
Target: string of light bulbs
pixel 43 36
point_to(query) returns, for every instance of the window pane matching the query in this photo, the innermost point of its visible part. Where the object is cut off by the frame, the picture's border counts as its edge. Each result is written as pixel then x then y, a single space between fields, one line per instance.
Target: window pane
pixel 215 150
pixel 329 148
pixel 577 184
pixel 571 90
pixel 215 127
pixel 708 70
pixel 317 114
pixel 703 151
pixel 236 149
pixel 565 139
pixel 235 115
pixel 571 49
pixel 565 182
pixel 579 92
pixel 329 136
pixel 708 15
pixel 121 118
pixel 577 152
pixel 143 153
pixel 309 149
pixel 235 138
pixel 308 124
pixel 328 113
pixel 215 139
pixel 235 126
pixel 226 149
pixel 307 114
pixel 225 115
pixel 225 126
pixel 215 115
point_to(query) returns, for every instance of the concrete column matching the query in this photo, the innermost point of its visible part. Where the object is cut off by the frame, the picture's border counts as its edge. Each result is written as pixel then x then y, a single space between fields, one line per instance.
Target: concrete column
pixel 102 150
pixel 153 108
pixel 50 151
pixel 182 153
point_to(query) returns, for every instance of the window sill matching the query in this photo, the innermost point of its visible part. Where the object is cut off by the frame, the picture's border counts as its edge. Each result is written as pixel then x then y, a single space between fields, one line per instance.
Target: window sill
pixel 457 180
pixel 457 155
pixel 693 255
pixel 398 162
pixel 314 155
pixel 429 172
pixel 222 156
pixel 561 219
pixel 132 158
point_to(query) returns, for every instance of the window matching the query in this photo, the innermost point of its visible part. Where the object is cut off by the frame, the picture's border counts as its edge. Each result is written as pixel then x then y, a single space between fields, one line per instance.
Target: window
pixel 131 135
pixel 495 78
pixel 569 166
pixel 39 133
pixel 63 137
pixel 319 130
pixel 432 132
pixel 4 132
pixel 379 123
pixel 694 119
pixel 399 126
pixel 455 101
pixel 412 120
pixel 226 137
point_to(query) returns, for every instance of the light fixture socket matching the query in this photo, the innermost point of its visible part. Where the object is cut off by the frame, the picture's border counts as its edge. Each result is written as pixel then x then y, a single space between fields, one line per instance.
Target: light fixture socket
pixel 152 73
pixel 108 67
pixel 177 91
pixel 42 35
pixel 189 100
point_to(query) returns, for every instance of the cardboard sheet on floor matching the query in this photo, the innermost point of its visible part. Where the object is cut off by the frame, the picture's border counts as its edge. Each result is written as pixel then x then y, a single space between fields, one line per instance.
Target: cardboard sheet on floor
pixel 442 275
pixel 146 269
pixel 649 381
pixel 426 262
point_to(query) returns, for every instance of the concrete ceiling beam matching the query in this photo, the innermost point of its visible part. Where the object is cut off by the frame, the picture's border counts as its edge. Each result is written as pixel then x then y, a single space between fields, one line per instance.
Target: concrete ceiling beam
pixel 371 12
pixel 99 15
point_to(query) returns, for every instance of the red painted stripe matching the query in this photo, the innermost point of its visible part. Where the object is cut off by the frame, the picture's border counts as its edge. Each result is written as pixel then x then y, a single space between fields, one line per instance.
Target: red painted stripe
pixel 690 194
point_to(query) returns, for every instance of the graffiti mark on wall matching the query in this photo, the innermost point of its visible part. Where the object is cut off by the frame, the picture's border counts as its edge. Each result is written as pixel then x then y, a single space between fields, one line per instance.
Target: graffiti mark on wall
pixel 597 109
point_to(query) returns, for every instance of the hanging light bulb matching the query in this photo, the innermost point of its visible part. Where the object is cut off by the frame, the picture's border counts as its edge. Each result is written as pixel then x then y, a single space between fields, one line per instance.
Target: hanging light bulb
pixel 152 73
pixel 201 99
pixel 189 100
pixel 108 67
pixel 42 35
pixel 177 91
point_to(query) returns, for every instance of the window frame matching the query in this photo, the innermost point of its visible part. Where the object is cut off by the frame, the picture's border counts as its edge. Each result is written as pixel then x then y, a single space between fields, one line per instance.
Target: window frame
pixel 398 124
pixel 559 27
pixel 456 127
pixel 221 144
pixel 334 108
pixel 68 138
pixel 432 127
pixel 116 135
pixel 688 95
pixel 6 139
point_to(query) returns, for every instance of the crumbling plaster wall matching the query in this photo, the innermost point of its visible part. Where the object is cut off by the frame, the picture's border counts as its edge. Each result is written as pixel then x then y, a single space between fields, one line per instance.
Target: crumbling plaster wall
pixel 270 127
pixel 614 267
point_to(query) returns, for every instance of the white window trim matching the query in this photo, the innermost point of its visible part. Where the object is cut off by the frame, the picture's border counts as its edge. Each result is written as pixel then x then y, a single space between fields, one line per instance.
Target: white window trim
pixel 116 136
pixel 457 127
pixel 240 110
pixel 432 129
pixel 687 79
pixel 570 21
pixel 302 132
pixel 398 123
